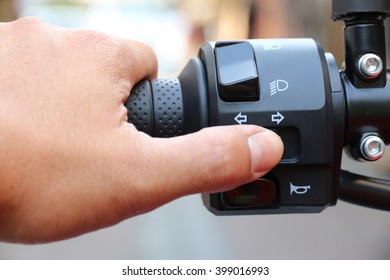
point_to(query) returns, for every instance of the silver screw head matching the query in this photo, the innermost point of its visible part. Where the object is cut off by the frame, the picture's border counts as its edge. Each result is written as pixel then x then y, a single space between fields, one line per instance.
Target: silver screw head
pixel 372 147
pixel 370 65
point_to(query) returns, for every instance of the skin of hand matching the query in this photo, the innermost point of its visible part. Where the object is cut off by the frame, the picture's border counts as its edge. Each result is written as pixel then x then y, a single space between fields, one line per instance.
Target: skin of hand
pixel 69 161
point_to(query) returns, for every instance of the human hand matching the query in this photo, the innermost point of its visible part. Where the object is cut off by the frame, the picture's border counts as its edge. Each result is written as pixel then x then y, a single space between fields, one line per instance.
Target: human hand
pixel 69 161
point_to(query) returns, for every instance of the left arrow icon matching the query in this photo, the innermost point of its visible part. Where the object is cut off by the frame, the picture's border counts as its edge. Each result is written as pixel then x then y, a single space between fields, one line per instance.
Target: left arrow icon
pixel 240 118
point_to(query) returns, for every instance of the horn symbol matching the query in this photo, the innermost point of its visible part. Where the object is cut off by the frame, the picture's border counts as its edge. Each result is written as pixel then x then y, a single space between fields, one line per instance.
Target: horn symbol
pixel 298 189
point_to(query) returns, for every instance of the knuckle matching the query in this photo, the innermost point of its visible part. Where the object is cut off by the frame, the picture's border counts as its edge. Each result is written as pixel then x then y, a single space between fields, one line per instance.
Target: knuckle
pixel 89 42
pixel 94 43
pixel 29 20
pixel 27 27
pixel 29 23
pixel 92 37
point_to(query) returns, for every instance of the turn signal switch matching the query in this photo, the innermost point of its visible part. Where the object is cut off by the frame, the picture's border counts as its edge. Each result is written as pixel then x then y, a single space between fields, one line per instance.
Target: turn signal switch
pixel 287 85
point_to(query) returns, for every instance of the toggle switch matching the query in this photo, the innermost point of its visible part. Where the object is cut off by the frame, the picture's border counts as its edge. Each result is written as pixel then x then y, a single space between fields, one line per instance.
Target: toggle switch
pixel 237 75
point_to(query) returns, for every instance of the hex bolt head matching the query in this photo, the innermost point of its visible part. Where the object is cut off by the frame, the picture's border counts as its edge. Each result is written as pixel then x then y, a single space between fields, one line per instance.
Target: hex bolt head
pixel 370 65
pixel 372 147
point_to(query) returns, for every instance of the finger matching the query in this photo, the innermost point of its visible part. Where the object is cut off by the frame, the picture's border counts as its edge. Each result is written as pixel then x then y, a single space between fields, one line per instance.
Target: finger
pixel 214 159
pixel 136 62
pixel 142 61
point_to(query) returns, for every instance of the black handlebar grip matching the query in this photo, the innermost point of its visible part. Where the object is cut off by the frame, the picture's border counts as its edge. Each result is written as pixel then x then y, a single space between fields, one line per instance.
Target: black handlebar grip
pixel 156 107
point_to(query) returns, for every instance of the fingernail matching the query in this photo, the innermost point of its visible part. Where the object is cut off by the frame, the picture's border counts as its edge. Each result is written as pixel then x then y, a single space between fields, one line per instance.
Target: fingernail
pixel 266 150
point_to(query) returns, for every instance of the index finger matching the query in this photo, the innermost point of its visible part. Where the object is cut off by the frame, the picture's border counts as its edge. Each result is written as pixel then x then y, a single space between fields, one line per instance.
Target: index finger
pixel 141 59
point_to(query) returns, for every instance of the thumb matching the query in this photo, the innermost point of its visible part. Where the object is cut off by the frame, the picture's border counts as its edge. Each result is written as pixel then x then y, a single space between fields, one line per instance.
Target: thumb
pixel 211 160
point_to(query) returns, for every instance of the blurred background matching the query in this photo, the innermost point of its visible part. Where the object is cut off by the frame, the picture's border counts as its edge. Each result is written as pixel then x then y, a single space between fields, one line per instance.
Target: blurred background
pixel 184 229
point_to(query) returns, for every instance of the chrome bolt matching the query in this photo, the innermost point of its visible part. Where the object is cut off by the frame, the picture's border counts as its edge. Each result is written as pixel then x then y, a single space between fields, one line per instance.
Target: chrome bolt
pixel 372 147
pixel 370 65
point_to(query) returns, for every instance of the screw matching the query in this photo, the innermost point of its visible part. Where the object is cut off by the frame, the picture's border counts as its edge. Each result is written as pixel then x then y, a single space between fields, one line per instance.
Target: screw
pixel 370 65
pixel 372 147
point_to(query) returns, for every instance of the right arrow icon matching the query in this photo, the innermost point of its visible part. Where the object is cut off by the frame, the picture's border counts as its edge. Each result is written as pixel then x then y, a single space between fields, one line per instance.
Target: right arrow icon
pixel 278 118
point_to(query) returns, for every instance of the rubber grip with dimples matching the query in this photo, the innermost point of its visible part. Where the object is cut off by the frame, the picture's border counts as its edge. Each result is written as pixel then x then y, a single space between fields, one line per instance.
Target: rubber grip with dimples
pixel 156 107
